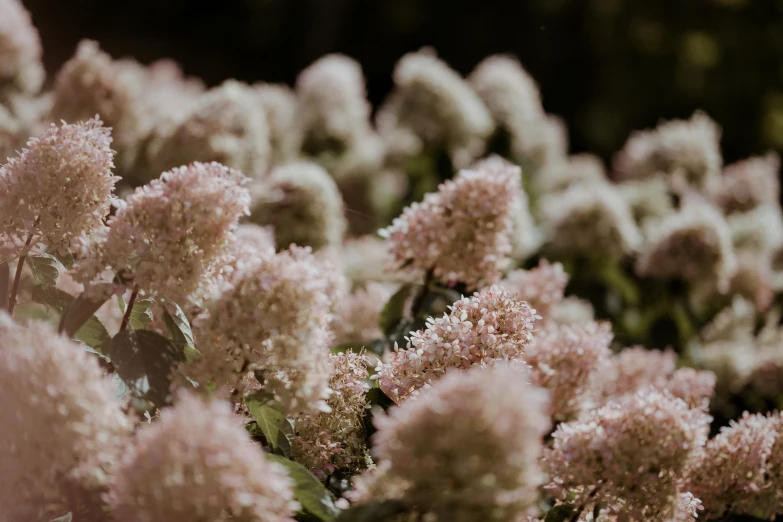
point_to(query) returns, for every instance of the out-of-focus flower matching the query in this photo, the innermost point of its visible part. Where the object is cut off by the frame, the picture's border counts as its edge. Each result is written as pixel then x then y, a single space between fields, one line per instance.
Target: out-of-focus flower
pixel 650 199
pixel 569 361
pixel 758 232
pixel 226 125
pixel 749 183
pixel 632 452
pixel 63 429
pixel 693 244
pixel 433 107
pixel 730 471
pixel 525 236
pixel 573 310
pixel 559 175
pixel 280 106
pixel 274 319
pixel 490 327
pixel 91 83
pixel 197 463
pixel 688 150
pixel 170 236
pixel 462 232
pixel 586 219
pixel 60 187
pixel 483 464
pixel 21 69
pixel 327 441
pixel 359 313
pixel 302 204
pixel 514 103
pixel 541 287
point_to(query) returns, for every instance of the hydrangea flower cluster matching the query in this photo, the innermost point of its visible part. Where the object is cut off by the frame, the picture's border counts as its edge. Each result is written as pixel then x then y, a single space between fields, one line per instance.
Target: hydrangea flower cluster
pixel 78 160
pixel 64 428
pixel 197 463
pixel 328 441
pixel 490 327
pixel 274 319
pixel 21 70
pixel 482 417
pixel 542 287
pixel 462 232
pixel 169 236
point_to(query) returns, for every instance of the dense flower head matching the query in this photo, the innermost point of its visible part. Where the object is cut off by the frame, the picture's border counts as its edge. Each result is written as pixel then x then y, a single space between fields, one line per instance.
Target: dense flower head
pixel 650 199
pixel 21 69
pixel 525 235
pixel 433 106
pixel 63 429
pixel 541 287
pixel 579 168
pixel 274 318
pixel 468 448
pixel 487 328
pixel 226 125
pixel 634 450
pixel 586 219
pixel 749 183
pixel 328 441
pixel 685 149
pixel 172 234
pixel 461 232
pixel 546 143
pixel 360 312
pixel 513 100
pixel 758 232
pixel 635 368
pixel 569 362
pixel 280 106
pixel 573 310
pixel 363 258
pixel 303 205
pixel 197 463
pixel 60 187
pixel 333 102
pixel 730 471
pixel 91 83
pixel 693 244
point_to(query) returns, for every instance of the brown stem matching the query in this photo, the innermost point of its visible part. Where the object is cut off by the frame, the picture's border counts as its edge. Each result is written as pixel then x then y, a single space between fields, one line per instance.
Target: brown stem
pixel 19 267
pixel 419 301
pixel 129 309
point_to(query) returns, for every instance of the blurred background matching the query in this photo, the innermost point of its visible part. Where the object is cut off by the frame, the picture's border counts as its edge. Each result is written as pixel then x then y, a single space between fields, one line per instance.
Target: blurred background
pixel 606 66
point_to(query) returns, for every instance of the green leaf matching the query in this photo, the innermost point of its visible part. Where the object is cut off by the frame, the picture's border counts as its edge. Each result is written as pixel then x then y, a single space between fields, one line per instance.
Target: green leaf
pixel 35 312
pixel 560 513
pixel 277 429
pixel 141 315
pixel 46 268
pixel 5 285
pixel 81 309
pixel 178 325
pixel 374 512
pixel 394 310
pixel 92 332
pixel 144 360
pixel 308 490
pixel 66 259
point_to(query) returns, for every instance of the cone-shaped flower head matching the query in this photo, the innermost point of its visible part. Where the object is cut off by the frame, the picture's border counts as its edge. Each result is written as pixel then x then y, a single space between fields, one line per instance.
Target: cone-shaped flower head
pixel 60 187
pixel 462 232
pixel 21 69
pixel 197 463
pixel 63 429
pixel 468 448
pixel 490 327
pixel 174 233
pixel 541 287
pixel 686 149
pixel 432 106
pixel 273 319
pixel 303 205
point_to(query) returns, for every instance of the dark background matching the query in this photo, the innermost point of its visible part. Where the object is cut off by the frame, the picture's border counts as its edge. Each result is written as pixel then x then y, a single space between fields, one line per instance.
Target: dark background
pixel 607 66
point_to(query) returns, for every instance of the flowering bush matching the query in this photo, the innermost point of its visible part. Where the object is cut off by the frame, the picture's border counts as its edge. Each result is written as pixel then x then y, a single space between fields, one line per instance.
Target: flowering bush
pixel 195 325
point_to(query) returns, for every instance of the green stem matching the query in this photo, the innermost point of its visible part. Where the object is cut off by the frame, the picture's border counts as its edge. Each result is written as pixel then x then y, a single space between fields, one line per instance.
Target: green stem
pixel 129 309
